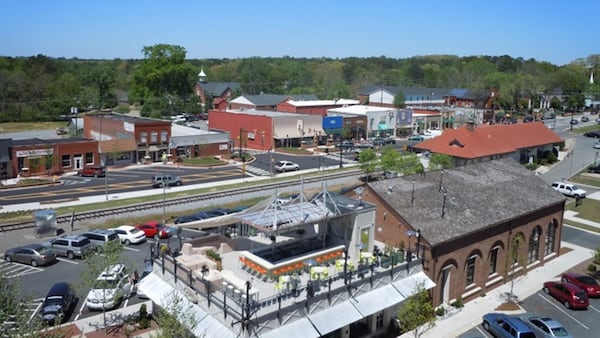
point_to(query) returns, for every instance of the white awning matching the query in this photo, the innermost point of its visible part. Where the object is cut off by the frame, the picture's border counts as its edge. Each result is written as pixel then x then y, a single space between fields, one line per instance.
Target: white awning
pixel 301 328
pixel 162 293
pixel 410 284
pixel 378 300
pixel 335 317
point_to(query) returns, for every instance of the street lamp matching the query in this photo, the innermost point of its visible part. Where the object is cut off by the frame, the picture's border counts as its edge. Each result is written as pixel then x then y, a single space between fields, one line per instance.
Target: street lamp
pixel 341 150
pixel 164 186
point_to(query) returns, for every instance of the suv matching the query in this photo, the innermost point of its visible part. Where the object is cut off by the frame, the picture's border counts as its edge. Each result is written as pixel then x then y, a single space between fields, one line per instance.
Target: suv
pixel 99 237
pixel 59 301
pixel 70 246
pixel 95 171
pixel 159 181
pixel 111 286
pixel 568 189
pixel 503 325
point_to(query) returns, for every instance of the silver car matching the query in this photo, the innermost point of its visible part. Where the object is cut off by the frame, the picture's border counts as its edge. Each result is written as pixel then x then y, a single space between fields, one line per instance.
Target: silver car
pixel 546 327
pixel 33 254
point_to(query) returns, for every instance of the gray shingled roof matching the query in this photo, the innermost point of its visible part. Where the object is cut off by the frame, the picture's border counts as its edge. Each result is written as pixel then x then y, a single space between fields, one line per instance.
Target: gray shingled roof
pixel 413 93
pixel 216 89
pixel 477 196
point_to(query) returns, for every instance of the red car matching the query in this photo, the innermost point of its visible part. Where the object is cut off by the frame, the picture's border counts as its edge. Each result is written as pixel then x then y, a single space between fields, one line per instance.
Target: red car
pixel 569 294
pixel 584 282
pixel 156 229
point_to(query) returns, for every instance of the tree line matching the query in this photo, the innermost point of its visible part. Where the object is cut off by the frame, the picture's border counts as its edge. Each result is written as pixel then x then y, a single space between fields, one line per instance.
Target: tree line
pixel 40 88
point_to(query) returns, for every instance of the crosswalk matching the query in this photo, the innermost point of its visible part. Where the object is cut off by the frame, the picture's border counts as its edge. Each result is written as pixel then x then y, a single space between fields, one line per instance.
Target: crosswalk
pixel 13 270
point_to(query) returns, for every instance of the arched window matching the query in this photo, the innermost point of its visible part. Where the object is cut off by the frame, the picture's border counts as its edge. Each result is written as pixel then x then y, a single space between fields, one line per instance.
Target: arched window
pixel 163 136
pixel 154 136
pixel 550 238
pixel 534 245
pixel 143 137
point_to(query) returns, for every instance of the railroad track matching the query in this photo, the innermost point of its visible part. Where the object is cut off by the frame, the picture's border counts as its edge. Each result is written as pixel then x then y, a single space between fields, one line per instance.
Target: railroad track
pixel 114 211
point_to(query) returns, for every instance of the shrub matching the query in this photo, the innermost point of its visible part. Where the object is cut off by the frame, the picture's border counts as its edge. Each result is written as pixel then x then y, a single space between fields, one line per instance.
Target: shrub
pixel 143 320
pixel 458 303
pixel 440 311
pixel 552 157
pixel 592 268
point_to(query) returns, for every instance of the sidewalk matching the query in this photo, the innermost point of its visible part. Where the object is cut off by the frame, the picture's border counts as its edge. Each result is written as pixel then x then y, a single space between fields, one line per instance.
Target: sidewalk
pixel 470 315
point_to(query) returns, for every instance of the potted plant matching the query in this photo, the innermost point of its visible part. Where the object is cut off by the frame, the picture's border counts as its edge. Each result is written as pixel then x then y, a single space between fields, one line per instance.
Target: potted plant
pixel 215 257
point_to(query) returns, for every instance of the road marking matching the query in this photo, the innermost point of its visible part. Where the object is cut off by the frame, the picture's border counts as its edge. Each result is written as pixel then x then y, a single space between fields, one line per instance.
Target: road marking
pixel 66 260
pixel 130 249
pixel 593 308
pixel 14 269
pixel 483 332
pixel 561 309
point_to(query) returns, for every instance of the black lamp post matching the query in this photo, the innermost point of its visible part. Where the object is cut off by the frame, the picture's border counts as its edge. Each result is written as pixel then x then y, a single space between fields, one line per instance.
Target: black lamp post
pixel 341 150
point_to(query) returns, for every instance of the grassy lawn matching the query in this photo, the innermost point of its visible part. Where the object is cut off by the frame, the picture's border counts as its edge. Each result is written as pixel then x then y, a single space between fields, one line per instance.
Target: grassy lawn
pixel 14 127
pixel 202 161
pixel 589 209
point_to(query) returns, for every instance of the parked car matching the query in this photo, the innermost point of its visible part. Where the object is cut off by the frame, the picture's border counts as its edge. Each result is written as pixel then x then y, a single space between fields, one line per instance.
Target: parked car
pixel 568 189
pixel 129 234
pixel 59 302
pixel 503 325
pixel 159 181
pixel 585 119
pixel 574 121
pixel 593 133
pixel 546 327
pixel 110 288
pixel 217 212
pixel 62 131
pixel 70 246
pixel 594 168
pixel 191 218
pixel 99 237
pixel 568 294
pixel 596 145
pixel 364 145
pixel 93 171
pixel 346 145
pixel 584 282
pixel 156 229
pixel 416 138
pixel 33 254
pixel 283 166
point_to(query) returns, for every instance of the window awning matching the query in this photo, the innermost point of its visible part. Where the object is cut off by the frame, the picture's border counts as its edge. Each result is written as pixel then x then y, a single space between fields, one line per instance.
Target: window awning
pixel 378 300
pixel 162 293
pixel 301 328
pixel 335 317
pixel 410 284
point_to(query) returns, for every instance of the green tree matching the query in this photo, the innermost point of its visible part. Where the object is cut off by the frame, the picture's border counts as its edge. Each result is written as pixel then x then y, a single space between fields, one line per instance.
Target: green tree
pixel 399 99
pixel 163 71
pixel 96 263
pixel 440 161
pixel 515 261
pixel 368 161
pixel 176 320
pixel 389 159
pixel 416 313
pixel 15 318
pixel 409 164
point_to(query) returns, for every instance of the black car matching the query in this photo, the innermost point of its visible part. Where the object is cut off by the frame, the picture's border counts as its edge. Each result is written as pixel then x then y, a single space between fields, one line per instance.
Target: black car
pixel 594 168
pixel 594 133
pixel 191 218
pixel 59 302
pixel 585 119
pixel 345 145
pixel 574 121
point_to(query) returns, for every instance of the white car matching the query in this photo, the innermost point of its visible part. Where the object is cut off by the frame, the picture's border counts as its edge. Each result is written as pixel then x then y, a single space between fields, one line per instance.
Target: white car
pixel 569 189
pixel 129 234
pixel 283 166
pixel 110 288
pixel 597 145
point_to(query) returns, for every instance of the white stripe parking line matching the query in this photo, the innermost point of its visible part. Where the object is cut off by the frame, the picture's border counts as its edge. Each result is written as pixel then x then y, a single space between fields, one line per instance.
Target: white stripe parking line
pixel 483 332
pixel 560 308
pixel 593 308
pixel 130 249
pixel 66 260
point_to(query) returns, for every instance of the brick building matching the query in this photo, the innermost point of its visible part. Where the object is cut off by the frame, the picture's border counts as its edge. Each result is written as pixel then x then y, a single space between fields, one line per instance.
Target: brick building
pixel 462 222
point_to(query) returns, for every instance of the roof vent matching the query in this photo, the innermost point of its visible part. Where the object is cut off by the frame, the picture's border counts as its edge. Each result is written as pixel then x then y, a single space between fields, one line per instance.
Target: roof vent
pixel 457 143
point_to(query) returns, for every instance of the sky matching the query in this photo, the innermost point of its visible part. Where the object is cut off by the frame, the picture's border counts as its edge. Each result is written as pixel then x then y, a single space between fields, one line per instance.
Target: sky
pixel 554 31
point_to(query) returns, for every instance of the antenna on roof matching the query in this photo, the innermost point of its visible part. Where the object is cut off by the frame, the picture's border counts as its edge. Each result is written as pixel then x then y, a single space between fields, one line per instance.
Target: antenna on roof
pixel 441 179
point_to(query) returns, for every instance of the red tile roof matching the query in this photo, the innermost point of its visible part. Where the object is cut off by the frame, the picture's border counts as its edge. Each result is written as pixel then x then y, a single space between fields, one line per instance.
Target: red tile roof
pixel 486 140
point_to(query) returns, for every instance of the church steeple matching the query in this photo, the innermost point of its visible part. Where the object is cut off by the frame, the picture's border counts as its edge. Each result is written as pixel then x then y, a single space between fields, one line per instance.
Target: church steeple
pixel 202 76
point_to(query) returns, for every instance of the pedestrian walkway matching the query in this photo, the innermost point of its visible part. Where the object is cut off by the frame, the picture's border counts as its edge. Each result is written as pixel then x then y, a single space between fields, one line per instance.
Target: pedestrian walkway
pixel 470 315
